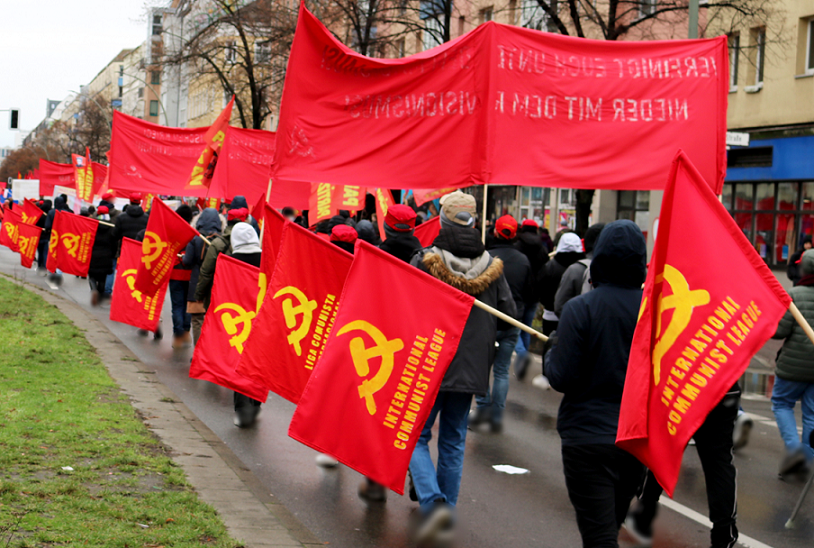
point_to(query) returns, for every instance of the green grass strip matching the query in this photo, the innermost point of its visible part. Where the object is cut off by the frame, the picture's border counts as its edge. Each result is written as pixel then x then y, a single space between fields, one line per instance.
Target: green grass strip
pixel 60 408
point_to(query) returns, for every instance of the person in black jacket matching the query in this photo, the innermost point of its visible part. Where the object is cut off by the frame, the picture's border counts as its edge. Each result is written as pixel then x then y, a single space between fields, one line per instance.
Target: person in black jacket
pixel 132 221
pixel 588 364
pixel 45 237
pixel 399 225
pixel 458 258
pixel 344 237
pixel 569 251
pixel 101 258
pixel 60 204
pixel 793 270
pixel 209 224
pixel 531 245
pixel 574 280
pixel 517 270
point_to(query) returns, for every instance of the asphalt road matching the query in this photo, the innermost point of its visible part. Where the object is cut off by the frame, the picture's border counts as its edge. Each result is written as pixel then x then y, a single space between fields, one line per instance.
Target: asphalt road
pixel 495 509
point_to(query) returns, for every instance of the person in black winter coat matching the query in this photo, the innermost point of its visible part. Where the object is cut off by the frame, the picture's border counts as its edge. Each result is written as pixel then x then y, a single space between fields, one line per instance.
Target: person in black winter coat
pixel 60 204
pixel 458 258
pixel 575 278
pixel 531 245
pixel 368 233
pixel 209 224
pixel 517 270
pixel 178 290
pixel 569 251
pixel 101 258
pixel 588 364
pixel 399 225
pixel 793 271
pixel 45 236
pixel 344 237
pixel 132 221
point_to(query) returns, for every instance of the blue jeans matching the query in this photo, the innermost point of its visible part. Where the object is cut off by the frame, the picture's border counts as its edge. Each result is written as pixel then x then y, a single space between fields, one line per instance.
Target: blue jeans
pixel 524 340
pixel 110 279
pixel 178 297
pixel 784 397
pixel 506 341
pixel 444 484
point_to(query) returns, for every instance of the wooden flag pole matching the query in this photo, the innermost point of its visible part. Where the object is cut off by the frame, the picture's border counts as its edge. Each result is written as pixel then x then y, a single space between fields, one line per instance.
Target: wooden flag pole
pixel 105 223
pixel 801 321
pixel 483 216
pixel 511 321
pixel 263 228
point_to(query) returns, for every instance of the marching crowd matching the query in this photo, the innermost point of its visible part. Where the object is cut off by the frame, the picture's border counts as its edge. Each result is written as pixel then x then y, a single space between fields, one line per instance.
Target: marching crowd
pixel 589 291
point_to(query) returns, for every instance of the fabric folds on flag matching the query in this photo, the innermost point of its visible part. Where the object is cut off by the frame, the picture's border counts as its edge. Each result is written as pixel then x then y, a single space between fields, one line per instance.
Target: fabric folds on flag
pixel 28 236
pixel 427 231
pixel 272 236
pixel 10 230
pixel 699 325
pixel 53 174
pixel 74 242
pixel 30 212
pixel 213 139
pixel 370 394
pixel 129 305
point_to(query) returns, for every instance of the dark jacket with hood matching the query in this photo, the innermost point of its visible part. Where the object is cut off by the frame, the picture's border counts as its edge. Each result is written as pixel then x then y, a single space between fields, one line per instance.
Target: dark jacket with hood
pixel 575 276
pixel 402 245
pixel 129 224
pixel 60 204
pixel 368 232
pixel 209 225
pixel 794 361
pixel 793 271
pixel 588 361
pixel 530 245
pixel 548 280
pixel 517 270
pixel 240 202
pixel 206 275
pixel 46 209
pixel 103 252
pixel 458 258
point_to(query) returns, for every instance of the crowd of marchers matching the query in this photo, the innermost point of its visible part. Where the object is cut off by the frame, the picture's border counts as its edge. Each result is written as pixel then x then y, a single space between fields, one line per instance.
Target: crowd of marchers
pixel 586 292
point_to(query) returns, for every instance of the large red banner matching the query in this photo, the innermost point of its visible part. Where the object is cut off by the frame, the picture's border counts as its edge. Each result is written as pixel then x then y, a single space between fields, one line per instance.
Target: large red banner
pixel 75 242
pixel 370 394
pixel 53 174
pixel 297 314
pixel 28 236
pixel 10 229
pixel 502 105
pixel 128 304
pixel 204 168
pixel 244 162
pixel 166 235
pixel 699 326
pixel 227 325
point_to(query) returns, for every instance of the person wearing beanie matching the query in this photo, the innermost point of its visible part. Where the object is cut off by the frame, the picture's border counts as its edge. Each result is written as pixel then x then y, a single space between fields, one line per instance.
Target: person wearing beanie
pixel 531 245
pixel 576 278
pixel 131 222
pixel 209 224
pixel 107 201
pixel 344 237
pixel 179 288
pixel 517 269
pixel 458 258
pixel 399 226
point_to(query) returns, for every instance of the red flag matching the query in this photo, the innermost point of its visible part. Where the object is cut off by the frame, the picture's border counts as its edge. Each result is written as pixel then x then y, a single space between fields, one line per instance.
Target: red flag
pixel 28 236
pixel 166 235
pixel 369 416
pixel 11 226
pixel 128 304
pixel 427 231
pixel 30 212
pixel 421 197
pixel 147 202
pixel 76 236
pixel 236 295
pixel 244 162
pixel 204 170
pixel 272 236
pixel 296 317
pixel 259 209
pixel 699 326
pixel 348 119
pixel 320 203
pixel 384 199
pixel 53 174
pixel 83 176
pixel 203 203
pixel 95 179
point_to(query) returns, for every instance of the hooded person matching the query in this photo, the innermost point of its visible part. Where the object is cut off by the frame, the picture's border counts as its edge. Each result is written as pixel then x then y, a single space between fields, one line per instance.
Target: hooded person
pixel 101 259
pixel 60 204
pixel 569 251
pixel 531 245
pixel 132 221
pixel 587 362
pixel 399 228
pixel 458 258
pixel 344 237
pixel 576 278
pixel 367 232
pixel 220 244
pixel 239 202
pixel 45 237
pixel 793 270
pixel 245 246
pixel 178 289
pixel 209 225
pixel 517 270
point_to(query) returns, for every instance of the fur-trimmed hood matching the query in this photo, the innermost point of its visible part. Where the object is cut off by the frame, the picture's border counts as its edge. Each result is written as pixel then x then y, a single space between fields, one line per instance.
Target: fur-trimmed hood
pixel 473 279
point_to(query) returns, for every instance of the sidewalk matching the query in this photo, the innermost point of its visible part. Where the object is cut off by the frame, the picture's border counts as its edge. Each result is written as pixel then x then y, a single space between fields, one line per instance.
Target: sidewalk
pixel 250 513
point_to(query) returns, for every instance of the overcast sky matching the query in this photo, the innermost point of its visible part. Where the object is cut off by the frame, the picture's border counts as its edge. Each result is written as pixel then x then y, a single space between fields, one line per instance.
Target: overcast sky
pixel 48 47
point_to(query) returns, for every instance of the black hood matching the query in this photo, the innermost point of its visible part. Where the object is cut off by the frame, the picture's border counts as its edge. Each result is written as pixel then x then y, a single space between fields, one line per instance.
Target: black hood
pixel 366 231
pixel 620 256
pixel 238 202
pixel 46 206
pixel 209 222
pixel 134 210
pixel 60 203
pixel 461 241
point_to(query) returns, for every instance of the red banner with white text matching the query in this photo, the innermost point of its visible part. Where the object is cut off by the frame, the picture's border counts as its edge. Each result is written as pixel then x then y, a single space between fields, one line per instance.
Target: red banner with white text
pixel 502 105
pixel 128 304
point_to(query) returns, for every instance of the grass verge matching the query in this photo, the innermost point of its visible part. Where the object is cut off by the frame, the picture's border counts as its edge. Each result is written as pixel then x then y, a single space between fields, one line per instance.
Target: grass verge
pixel 77 466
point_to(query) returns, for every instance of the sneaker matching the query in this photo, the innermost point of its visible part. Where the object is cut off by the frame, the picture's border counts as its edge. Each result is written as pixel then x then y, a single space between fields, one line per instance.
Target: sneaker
pixel 792 462
pixel 436 524
pixel 246 415
pixel 643 535
pixel 541 382
pixel 372 491
pixel 326 461
pixel 743 427
pixel 158 335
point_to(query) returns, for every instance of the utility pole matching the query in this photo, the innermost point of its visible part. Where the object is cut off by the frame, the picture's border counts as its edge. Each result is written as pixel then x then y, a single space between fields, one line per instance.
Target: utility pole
pixel 693 20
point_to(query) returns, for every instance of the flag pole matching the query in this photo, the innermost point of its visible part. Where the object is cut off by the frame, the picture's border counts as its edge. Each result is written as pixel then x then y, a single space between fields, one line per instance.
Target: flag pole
pixel 511 321
pixel 104 223
pixel 263 228
pixel 483 216
pixel 801 321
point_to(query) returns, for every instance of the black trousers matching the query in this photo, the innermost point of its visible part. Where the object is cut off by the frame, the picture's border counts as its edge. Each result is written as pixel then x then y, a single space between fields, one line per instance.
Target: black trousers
pixel 97 282
pixel 245 401
pixel 601 480
pixel 713 440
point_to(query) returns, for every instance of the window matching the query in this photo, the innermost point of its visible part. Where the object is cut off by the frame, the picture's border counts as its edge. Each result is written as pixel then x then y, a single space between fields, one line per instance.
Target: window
pixel 431 36
pixel 647 7
pixel 227 96
pixel 760 55
pixel 155 77
pixel 229 52
pixel 153 108
pixel 461 25
pixel 810 48
pixel 399 48
pixel 532 16
pixel 568 198
pixel 734 52
pixel 262 52
pixel 141 93
pixel 157 27
pixel 634 205
pixel 487 14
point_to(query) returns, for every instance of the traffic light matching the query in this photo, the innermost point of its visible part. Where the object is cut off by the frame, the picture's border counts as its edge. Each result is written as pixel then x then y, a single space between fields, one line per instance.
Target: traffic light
pixel 14 119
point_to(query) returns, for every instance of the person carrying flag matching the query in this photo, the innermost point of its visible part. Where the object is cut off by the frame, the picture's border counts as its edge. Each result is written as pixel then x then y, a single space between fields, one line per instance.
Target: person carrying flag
pixel 458 258
pixel 531 245
pixel 209 225
pixel 132 221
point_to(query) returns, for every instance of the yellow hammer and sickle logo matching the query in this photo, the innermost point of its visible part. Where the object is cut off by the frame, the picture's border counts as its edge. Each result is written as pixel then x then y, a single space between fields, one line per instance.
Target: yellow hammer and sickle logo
pixel 26 218
pixel 230 323
pixel 12 231
pixel 290 312
pixel 52 243
pixel 130 277
pixel 71 243
pixel 384 349
pixel 681 302
pixel 23 246
pixel 151 248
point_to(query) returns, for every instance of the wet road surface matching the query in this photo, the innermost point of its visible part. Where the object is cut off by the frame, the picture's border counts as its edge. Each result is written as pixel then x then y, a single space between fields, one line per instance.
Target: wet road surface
pixel 495 509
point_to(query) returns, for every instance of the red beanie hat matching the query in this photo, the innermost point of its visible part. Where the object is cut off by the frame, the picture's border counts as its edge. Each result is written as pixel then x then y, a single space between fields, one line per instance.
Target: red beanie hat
pixel 103 210
pixel 107 196
pixel 135 198
pixel 400 218
pixel 240 214
pixel 344 233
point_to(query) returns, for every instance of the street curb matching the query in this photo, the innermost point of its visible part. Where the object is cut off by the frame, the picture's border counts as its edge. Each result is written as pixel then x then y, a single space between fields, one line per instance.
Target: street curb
pixel 250 512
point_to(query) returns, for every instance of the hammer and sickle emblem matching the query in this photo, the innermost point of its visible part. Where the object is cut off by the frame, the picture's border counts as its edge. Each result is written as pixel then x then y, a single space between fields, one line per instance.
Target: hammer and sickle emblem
pixel 52 243
pixel 384 349
pixel 71 243
pixel 12 231
pixel 230 323
pixel 130 277
pixel 290 312
pixel 681 302
pixel 23 246
pixel 151 248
